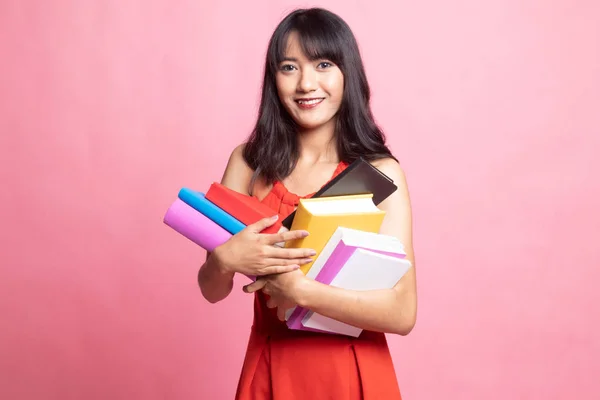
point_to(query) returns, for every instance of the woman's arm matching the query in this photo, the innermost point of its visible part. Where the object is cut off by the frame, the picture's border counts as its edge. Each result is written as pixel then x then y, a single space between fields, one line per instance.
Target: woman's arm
pixel 215 283
pixel 393 310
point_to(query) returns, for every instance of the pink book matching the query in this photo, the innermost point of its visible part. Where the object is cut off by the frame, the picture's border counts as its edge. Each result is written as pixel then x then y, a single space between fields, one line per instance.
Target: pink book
pixel 334 256
pixel 195 226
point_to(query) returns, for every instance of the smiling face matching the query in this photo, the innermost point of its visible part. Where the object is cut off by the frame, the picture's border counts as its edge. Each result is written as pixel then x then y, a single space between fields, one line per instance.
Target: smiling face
pixel 310 90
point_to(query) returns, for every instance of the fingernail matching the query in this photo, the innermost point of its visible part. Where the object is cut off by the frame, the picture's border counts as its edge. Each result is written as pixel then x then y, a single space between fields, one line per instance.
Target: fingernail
pixel 312 253
pixel 274 217
pixel 304 233
pixel 307 260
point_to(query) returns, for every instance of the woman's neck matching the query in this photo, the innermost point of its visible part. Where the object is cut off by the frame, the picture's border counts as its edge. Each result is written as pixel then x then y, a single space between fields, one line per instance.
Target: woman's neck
pixel 318 145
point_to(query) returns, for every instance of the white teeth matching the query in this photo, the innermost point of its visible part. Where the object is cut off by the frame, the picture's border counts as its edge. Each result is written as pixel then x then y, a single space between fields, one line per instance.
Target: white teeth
pixel 315 101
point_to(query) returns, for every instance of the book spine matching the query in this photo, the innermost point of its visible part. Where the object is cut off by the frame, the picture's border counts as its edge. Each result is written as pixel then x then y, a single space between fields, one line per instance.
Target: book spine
pixel 295 321
pixel 335 263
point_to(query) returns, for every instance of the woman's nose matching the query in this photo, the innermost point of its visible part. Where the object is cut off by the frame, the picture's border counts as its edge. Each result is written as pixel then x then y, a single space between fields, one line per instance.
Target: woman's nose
pixel 308 80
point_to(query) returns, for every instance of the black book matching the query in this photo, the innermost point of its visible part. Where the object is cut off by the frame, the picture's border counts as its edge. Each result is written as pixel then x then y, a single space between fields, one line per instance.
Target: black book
pixel 360 177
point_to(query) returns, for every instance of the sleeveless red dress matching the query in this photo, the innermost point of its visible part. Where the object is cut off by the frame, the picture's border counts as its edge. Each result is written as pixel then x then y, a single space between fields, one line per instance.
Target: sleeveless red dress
pixel 285 364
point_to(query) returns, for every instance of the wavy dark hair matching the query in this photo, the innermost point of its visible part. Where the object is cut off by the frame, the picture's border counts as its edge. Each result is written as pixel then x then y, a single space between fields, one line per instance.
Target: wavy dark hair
pixel 272 148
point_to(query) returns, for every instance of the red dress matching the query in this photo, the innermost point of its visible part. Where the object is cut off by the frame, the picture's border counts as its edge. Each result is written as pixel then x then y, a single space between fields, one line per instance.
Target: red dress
pixel 285 364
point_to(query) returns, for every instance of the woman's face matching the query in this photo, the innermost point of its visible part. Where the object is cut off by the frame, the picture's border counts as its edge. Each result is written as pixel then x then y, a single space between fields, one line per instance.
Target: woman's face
pixel 311 91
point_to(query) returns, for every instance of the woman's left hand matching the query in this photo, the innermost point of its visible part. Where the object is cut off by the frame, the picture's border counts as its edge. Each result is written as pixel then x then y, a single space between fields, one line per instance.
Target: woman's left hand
pixel 283 289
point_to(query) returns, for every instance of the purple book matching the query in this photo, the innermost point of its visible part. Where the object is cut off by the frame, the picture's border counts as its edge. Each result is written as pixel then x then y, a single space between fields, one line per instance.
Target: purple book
pixel 339 249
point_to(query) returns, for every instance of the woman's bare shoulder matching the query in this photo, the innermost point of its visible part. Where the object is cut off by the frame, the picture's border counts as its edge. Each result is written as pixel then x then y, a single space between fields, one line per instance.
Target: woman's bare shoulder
pixel 237 174
pixel 392 169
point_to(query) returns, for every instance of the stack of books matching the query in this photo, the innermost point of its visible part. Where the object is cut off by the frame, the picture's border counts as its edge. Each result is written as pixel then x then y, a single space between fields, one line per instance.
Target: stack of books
pixel 351 253
pixel 343 222
pixel 210 219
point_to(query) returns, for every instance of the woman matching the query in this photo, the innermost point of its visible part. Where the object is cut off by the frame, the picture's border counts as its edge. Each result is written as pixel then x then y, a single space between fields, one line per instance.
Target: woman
pixel 314 120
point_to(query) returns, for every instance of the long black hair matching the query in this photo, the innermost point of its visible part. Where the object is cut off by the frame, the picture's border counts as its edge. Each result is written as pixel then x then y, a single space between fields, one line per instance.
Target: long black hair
pixel 272 148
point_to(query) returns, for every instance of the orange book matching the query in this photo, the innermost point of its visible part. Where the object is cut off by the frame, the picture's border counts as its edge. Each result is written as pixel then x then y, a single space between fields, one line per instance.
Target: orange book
pixel 244 208
pixel 323 215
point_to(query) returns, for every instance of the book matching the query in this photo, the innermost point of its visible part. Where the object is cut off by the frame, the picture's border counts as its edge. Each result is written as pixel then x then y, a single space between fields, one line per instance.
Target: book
pixel 246 209
pixel 195 226
pixel 199 202
pixel 360 177
pixel 335 254
pixel 364 270
pixel 322 216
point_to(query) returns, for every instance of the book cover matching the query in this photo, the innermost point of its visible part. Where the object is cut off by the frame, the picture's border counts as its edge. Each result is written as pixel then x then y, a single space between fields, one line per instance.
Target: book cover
pixel 199 202
pixel 246 209
pixel 322 216
pixel 363 270
pixel 360 177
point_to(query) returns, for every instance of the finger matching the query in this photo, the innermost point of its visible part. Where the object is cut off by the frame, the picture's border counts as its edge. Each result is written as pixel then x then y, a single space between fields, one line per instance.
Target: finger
pixel 271 303
pixel 286 262
pixel 281 313
pixel 278 252
pixel 255 286
pixel 262 224
pixel 281 230
pixel 278 269
pixel 285 236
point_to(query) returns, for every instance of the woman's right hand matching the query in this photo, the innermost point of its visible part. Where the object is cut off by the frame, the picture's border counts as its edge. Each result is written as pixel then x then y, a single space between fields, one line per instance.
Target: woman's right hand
pixel 254 254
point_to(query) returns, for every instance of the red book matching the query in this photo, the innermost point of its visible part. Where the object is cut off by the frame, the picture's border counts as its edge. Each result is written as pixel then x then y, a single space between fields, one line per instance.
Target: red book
pixel 244 208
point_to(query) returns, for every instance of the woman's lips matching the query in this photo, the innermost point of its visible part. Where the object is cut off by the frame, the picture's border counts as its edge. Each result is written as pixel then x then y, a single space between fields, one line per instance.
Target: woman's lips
pixel 307 104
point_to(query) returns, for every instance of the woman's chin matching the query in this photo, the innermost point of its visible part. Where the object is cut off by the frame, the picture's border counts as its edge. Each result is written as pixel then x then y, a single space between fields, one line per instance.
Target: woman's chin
pixel 313 125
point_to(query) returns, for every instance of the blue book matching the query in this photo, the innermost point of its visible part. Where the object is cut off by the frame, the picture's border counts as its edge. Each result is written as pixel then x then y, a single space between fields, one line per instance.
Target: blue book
pixel 197 201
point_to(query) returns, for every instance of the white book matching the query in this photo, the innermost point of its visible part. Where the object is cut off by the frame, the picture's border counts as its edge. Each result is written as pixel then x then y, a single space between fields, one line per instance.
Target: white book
pixel 353 238
pixel 364 270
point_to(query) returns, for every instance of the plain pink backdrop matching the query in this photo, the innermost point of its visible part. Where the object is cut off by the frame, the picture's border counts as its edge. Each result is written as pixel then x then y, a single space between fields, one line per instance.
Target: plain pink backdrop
pixel 107 108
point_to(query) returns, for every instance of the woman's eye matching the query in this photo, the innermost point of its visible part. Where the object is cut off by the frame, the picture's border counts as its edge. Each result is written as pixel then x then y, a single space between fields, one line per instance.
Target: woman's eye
pixel 287 67
pixel 324 64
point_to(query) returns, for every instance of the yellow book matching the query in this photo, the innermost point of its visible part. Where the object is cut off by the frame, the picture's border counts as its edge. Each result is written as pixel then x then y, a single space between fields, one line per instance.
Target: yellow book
pixel 323 215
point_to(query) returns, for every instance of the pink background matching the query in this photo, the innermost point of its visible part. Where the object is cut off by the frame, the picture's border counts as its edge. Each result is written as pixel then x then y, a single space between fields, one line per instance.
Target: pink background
pixel 107 108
